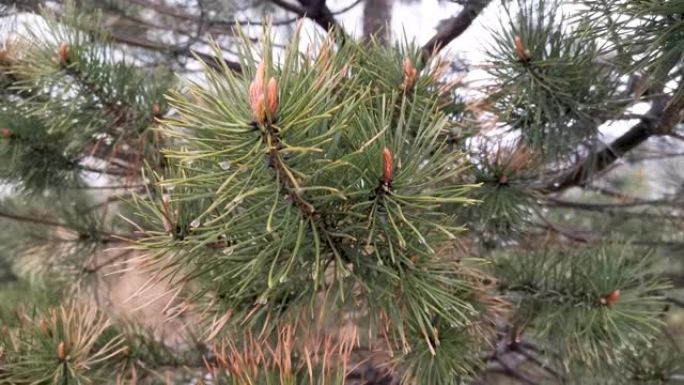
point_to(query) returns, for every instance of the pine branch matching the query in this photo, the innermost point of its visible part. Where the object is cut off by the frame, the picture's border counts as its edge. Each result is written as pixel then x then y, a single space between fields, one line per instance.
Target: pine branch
pixel 512 372
pixel 518 348
pixel 678 302
pixel 272 140
pixel 133 41
pixel 212 61
pixel 107 236
pixel 609 206
pixel 660 120
pixel 116 110
pixel 316 10
pixel 453 28
pixel 37 221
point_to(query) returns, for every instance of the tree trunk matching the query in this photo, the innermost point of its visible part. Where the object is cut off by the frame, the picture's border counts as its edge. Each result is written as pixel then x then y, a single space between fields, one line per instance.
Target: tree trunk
pixel 377 17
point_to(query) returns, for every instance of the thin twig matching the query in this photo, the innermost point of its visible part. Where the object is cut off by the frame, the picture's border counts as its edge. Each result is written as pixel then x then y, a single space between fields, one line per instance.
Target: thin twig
pixel 36 221
pixel 513 373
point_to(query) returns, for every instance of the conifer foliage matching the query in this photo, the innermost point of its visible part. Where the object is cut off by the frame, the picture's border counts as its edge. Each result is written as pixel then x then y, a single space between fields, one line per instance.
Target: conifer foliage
pixel 327 211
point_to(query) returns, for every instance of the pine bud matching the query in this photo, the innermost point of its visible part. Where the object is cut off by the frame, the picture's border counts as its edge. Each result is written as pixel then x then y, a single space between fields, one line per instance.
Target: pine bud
pixel 410 74
pixel 61 354
pixel 156 110
pixel 259 110
pixel 256 94
pixel 63 54
pixel 611 298
pixel 387 168
pixel 520 50
pixel 5 132
pixel 257 86
pixel 272 91
pixel 5 57
pixel 43 326
pixel 263 98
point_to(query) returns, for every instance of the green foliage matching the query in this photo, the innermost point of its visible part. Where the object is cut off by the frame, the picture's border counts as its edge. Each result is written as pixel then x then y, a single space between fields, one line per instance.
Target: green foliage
pixel 51 237
pixel 505 199
pixel 71 99
pixel 654 364
pixel 592 305
pixel 646 35
pixel 19 297
pixel 36 158
pixel 551 83
pixel 267 214
pixel 61 345
pixel 432 363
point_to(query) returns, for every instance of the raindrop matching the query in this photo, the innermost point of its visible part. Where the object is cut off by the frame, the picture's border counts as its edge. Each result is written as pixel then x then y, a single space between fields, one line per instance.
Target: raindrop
pixel 225 165
pixel 170 187
pixel 195 224
pixel 228 250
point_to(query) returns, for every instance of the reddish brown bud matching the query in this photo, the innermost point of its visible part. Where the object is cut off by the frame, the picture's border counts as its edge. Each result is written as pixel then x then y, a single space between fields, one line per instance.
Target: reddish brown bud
pixel 256 95
pixel 272 92
pixel 611 298
pixel 5 132
pixel 259 109
pixel 156 110
pixel 410 74
pixel 387 166
pixel 520 50
pixel 43 326
pixel 61 354
pixel 5 58
pixel 63 54
pixel 257 86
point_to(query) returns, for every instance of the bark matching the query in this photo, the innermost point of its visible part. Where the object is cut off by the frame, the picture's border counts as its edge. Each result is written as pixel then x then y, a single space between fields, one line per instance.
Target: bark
pixel 377 18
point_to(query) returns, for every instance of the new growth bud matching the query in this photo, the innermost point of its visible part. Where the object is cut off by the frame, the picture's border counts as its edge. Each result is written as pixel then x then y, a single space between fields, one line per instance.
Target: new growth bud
pixel 256 90
pixel 63 54
pixel 263 108
pixel 272 93
pixel 520 50
pixel 156 110
pixel 6 58
pixel 387 166
pixel 61 354
pixel 611 298
pixel 410 74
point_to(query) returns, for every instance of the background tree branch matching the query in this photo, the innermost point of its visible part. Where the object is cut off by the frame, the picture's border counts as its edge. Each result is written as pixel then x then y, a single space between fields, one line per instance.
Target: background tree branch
pixel 453 28
pixel 660 120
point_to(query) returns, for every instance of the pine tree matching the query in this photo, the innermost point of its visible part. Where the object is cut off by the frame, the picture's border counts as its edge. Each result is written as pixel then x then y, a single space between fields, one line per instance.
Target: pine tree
pixel 326 210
